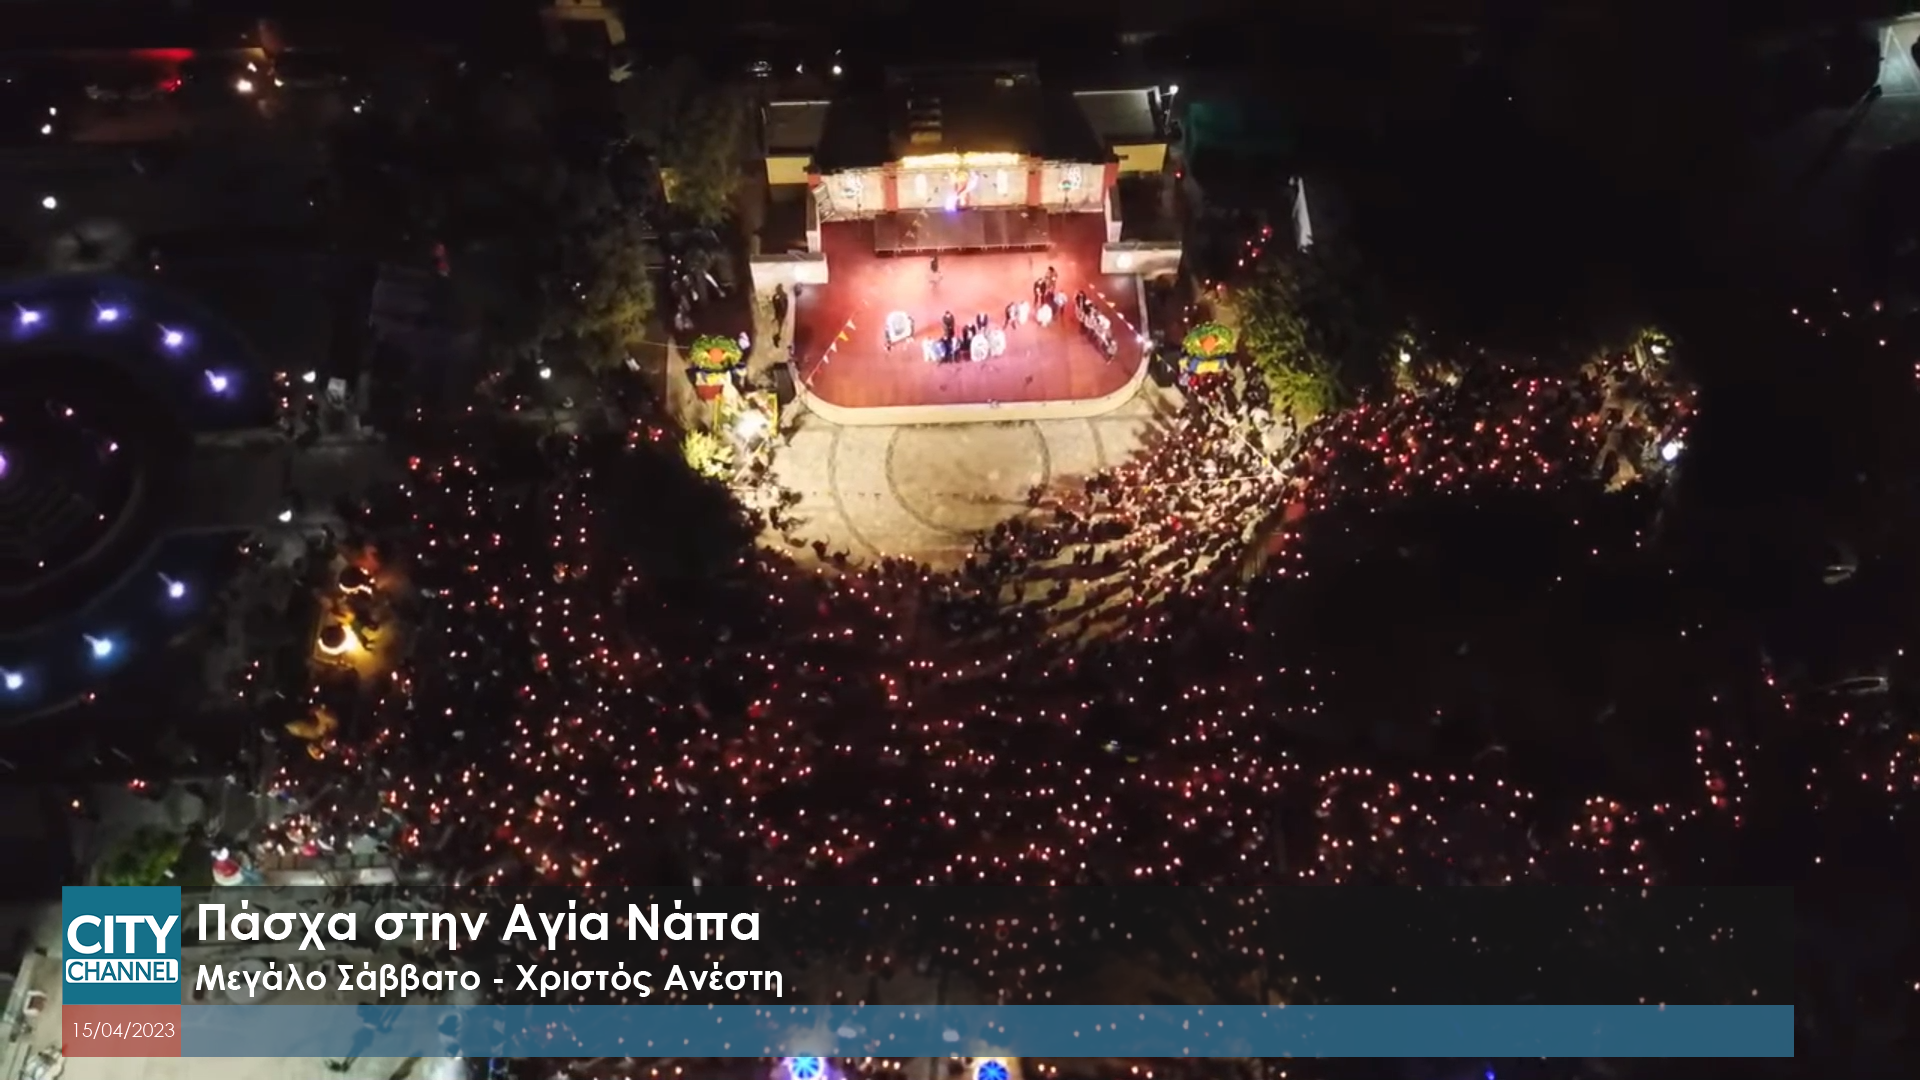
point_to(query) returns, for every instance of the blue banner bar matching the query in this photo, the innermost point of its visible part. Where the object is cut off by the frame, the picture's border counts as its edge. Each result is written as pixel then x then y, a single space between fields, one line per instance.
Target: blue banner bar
pixel 428 1029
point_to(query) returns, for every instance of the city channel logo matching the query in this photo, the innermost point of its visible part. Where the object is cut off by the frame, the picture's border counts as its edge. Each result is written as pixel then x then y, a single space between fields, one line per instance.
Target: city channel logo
pixel 121 945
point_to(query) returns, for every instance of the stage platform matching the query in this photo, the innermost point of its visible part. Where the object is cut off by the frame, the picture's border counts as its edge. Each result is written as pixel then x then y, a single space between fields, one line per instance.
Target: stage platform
pixel 1058 363
pixel 933 231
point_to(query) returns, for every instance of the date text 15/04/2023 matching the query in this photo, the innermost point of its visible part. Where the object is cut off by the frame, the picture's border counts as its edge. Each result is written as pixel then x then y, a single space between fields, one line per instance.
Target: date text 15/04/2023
pixel 96 1030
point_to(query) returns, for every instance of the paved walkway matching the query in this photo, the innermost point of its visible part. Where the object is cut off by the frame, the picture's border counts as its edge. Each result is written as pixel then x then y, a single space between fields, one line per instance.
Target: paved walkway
pixel 925 491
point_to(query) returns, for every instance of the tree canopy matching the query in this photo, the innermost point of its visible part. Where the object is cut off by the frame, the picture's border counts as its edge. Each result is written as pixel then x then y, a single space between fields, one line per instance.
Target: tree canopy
pixel 1317 327
pixel 696 128
pixel 512 175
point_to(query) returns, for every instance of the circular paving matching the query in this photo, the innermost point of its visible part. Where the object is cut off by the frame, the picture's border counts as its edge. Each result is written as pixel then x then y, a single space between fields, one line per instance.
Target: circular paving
pixel 961 480
pixel 68 477
pixel 104 384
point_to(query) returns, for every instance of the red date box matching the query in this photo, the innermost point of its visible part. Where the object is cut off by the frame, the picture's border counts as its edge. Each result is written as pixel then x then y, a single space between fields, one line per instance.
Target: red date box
pixel 120 1030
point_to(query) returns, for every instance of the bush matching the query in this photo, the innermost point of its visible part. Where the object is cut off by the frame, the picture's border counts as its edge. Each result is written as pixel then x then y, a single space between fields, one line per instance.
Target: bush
pixel 148 857
pixel 708 455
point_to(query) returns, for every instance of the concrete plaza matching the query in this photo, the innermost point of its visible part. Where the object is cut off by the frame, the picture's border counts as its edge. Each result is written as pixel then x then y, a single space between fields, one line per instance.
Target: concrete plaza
pixel 924 491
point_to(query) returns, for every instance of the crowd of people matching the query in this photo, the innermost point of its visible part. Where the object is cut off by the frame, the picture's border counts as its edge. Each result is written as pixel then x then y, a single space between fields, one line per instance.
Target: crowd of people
pixel 1090 698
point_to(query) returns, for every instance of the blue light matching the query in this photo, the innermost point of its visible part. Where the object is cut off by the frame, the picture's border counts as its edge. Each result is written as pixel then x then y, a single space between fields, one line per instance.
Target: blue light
pixel 12 680
pixel 806 1068
pixel 175 589
pixel 172 339
pixel 101 647
pixel 990 1070
pixel 108 315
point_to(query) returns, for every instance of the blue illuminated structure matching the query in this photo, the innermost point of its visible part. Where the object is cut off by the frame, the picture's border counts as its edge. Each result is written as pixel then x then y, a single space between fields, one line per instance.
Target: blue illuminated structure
pixel 806 1068
pixel 990 1069
pixel 105 410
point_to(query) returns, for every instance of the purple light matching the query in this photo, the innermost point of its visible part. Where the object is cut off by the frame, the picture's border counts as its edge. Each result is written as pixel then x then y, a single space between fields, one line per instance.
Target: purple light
pixel 217 382
pixel 172 339
pixel 29 317
pixel 108 315
pixel 175 589
pixel 3 464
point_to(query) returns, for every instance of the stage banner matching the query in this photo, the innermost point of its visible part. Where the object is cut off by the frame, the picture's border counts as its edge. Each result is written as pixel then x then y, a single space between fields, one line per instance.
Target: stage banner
pixel 1085 972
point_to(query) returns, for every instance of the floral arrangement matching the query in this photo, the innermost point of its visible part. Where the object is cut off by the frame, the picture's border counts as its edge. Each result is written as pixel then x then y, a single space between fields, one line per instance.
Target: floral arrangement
pixel 1210 341
pixel 715 353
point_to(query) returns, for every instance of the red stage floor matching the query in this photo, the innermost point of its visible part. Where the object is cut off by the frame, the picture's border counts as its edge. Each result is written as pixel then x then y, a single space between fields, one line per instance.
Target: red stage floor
pixel 1053 364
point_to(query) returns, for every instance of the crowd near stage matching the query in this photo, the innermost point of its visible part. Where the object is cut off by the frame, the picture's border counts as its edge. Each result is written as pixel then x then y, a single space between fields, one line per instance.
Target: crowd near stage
pixel 849 358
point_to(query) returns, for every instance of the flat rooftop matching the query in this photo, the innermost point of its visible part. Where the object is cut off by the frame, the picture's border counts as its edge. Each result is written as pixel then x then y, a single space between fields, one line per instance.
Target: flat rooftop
pixel 1120 116
pixel 954 110
pixel 795 127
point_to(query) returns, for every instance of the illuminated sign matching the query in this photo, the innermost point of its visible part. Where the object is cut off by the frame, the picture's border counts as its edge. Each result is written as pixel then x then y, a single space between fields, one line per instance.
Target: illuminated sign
pixel 955 161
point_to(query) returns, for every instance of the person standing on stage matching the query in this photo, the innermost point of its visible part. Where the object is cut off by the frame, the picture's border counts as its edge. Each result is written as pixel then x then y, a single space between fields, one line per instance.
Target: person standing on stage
pixel 946 323
pixel 933 267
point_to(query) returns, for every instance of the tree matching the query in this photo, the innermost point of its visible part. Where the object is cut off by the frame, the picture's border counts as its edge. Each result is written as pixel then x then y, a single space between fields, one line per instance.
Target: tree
pixel 708 454
pixel 604 292
pixel 696 128
pixel 147 857
pixel 510 175
pixel 1316 326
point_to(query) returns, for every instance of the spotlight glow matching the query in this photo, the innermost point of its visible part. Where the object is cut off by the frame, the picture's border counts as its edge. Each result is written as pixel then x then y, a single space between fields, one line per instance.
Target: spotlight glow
pixel 217 382
pixel 3 465
pixel 12 680
pixel 172 339
pixel 806 1068
pixel 1671 451
pixel 101 647
pixel 175 589
pixel 107 315
pixel 49 203
pixel 29 317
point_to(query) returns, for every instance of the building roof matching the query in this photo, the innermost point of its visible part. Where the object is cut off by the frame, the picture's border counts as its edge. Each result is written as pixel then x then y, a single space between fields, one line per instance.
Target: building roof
pixel 854 135
pixel 964 110
pixel 795 127
pixel 1120 116
pixel 998 108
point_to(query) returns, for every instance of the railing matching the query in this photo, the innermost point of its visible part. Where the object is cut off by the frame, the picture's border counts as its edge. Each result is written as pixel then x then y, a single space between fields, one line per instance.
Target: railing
pixel 789 269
